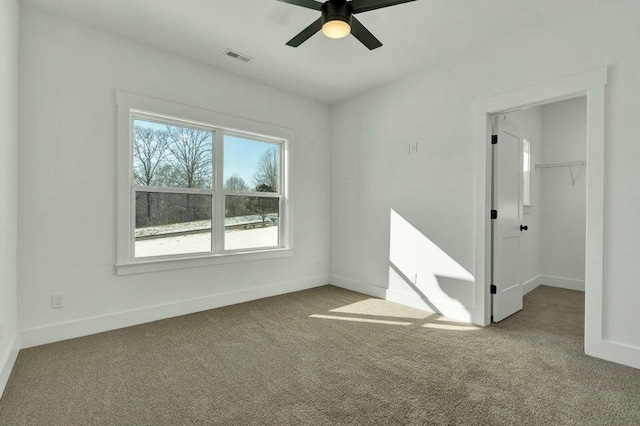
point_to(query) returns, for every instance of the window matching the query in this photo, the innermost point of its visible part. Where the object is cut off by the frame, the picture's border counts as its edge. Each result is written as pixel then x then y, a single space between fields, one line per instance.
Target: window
pixel 526 172
pixel 172 187
pixel 196 190
pixel 251 193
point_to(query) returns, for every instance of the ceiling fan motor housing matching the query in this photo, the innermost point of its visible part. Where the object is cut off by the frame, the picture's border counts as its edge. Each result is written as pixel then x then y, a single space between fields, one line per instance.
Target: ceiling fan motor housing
pixel 337 10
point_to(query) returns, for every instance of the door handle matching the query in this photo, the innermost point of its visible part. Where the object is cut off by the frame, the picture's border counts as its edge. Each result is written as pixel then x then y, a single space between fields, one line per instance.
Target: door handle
pixel 524 228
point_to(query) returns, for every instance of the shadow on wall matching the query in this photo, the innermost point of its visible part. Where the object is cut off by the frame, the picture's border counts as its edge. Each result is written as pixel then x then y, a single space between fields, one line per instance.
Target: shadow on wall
pixel 423 276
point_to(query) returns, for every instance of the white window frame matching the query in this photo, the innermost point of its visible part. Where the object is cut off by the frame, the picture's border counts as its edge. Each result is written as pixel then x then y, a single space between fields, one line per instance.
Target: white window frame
pixel 131 106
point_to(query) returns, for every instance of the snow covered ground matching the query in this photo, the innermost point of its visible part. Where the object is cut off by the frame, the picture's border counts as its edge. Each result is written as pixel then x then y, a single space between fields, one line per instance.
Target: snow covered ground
pixel 201 242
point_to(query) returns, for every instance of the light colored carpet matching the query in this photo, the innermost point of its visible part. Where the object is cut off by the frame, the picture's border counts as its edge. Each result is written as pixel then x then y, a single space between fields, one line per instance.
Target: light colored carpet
pixel 328 356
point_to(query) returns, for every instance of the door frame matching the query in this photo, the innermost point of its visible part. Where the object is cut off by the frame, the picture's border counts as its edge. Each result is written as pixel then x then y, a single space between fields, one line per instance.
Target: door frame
pixel 590 84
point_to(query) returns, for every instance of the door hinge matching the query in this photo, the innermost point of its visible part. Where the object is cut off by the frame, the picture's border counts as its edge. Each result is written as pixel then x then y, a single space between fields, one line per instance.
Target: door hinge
pixel 494 139
pixel 494 289
pixel 494 214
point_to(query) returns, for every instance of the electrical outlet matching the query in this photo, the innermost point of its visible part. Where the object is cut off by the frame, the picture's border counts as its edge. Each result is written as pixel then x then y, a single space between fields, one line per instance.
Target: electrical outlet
pixel 57 301
pixel 317 265
pixel 415 278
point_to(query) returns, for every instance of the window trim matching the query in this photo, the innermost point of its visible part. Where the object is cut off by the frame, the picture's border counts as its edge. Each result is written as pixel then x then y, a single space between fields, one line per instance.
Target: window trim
pixel 130 106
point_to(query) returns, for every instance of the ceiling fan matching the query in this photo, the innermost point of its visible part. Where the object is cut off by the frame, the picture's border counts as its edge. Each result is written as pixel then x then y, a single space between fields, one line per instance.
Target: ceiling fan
pixel 337 20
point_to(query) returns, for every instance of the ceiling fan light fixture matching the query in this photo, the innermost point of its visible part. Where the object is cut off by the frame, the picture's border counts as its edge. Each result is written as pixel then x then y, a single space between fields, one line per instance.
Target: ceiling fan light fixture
pixel 337 19
pixel 336 29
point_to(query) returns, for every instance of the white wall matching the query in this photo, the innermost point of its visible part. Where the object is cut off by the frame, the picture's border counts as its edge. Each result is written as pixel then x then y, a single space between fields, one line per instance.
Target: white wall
pixel 564 135
pixel 8 184
pixel 529 121
pixel 67 181
pixel 434 190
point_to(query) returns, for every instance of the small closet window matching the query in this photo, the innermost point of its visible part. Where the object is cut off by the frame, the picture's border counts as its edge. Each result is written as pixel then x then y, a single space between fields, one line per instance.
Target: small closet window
pixel 526 172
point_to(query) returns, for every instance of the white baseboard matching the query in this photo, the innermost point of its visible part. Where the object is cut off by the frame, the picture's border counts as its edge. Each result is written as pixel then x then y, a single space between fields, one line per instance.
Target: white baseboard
pixel 7 362
pixel 443 307
pixel 531 285
pixel 98 324
pixel 620 353
pixel 359 286
pixel 567 283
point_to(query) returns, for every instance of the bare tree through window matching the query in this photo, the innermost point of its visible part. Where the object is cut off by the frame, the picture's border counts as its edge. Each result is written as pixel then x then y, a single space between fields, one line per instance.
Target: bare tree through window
pixel 268 171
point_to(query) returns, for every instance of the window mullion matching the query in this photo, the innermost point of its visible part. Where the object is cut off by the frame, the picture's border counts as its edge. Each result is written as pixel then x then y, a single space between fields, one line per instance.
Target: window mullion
pixel 218 202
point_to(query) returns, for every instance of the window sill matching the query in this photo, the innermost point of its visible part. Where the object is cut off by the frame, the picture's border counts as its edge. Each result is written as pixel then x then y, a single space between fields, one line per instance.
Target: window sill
pixel 156 265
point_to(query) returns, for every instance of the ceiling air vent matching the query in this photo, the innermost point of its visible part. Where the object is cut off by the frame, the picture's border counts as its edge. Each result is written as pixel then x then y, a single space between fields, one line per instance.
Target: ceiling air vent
pixel 239 56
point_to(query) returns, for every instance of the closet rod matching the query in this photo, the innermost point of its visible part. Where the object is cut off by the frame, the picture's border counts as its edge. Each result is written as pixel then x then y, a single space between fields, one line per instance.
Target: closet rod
pixel 566 164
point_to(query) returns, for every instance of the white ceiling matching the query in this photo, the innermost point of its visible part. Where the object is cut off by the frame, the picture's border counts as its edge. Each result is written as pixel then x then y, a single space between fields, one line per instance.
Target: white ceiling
pixel 414 35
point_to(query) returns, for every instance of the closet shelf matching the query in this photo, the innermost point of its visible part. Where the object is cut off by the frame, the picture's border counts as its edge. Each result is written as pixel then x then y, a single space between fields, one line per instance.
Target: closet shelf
pixel 565 164
pixel 569 164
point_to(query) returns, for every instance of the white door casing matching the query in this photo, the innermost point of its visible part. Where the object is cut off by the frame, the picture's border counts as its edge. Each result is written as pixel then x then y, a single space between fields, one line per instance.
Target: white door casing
pixel 591 83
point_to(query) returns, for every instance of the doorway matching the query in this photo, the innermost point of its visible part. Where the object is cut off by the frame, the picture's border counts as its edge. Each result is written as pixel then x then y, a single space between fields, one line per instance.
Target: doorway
pixel 591 85
pixel 538 202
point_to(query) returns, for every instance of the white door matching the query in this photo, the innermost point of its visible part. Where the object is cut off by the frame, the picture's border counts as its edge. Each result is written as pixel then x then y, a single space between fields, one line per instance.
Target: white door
pixel 507 227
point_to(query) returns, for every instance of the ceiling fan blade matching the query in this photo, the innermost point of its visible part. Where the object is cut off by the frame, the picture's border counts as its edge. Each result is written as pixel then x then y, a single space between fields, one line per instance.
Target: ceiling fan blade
pixel 363 35
pixel 360 6
pixel 306 33
pixel 309 4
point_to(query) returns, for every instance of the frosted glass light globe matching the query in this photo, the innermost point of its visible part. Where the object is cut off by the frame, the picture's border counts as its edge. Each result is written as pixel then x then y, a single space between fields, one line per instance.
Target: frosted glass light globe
pixel 336 29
